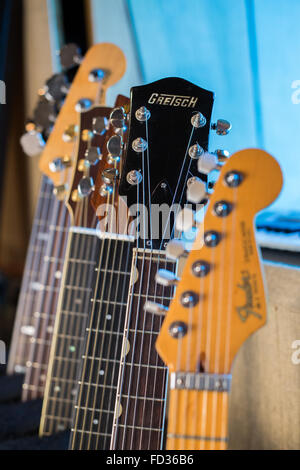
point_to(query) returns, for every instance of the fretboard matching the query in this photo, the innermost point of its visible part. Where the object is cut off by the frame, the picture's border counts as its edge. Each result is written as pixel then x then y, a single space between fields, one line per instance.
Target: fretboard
pixel 70 323
pixel 31 282
pixel 141 395
pixel 43 317
pixel 95 404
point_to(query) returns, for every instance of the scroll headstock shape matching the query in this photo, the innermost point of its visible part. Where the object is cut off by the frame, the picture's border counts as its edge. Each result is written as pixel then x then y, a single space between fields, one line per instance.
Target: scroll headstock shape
pixel 220 309
pixel 105 57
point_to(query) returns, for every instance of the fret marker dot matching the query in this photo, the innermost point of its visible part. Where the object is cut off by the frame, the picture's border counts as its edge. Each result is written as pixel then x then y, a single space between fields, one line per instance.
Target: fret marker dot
pixel 57 388
pixel 43 378
pixel 28 364
pixel 73 392
pixel 50 329
pixel 57 275
pixel 108 317
pixel 78 301
pixel 72 348
pixel 61 427
pixel 46 258
pixel 36 314
pixel 95 421
pixel 101 372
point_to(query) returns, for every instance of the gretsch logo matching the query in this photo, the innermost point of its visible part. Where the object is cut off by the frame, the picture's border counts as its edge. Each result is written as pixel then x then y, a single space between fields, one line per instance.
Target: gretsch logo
pixel 173 100
pixel 247 309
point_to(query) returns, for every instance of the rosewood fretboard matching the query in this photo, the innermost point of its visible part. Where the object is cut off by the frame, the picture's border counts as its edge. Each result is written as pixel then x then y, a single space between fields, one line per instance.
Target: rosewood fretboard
pixel 141 393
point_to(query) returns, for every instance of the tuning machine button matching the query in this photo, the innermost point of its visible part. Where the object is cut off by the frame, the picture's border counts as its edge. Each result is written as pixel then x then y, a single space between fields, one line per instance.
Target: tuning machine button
pixel 96 75
pixel 118 118
pixel 85 186
pixel 56 87
pixel 70 55
pixel 222 155
pixel 166 278
pixel 155 309
pixel 185 220
pixel 222 127
pixel 92 155
pixel 100 125
pixel 83 105
pixel 59 164
pixel 196 151
pixel 45 113
pixel 176 249
pixel 114 147
pixel 32 143
pixel 207 163
pixel 110 175
pixel 233 179
pixel 196 190
pixel 198 120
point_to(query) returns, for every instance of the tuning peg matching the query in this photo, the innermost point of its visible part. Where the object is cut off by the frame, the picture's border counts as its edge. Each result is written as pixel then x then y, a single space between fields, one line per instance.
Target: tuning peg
pixel 139 145
pixel 185 220
pixel 85 186
pixel 166 278
pixel 195 151
pixel 32 143
pixel 114 146
pixel 70 133
pixel 207 163
pixel 118 118
pixel 110 175
pixel 198 120
pixel 105 190
pixel 56 87
pixel 155 309
pixel 60 191
pixel 196 190
pixel 100 125
pixel 96 75
pixel 59 164
pixel 70 55
pixel 222 155
pixel 222 127
pixel 92 155
pixel 83 104
pixel 175 249
pixel 142 114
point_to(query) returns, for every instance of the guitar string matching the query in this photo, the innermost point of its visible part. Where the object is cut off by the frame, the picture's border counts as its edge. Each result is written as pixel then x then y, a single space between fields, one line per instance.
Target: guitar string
pixel 31 272
pixel 118 411
pixel 34 359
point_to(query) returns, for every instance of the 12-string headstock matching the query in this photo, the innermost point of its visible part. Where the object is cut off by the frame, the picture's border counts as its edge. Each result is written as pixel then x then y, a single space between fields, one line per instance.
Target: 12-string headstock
pixel 103 65
pixel 168 132
pixel 220 298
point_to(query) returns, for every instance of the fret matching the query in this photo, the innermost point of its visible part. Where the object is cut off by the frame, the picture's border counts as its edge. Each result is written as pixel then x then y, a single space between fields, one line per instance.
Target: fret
pixel 143 376
pixel 103 346
pixel 71 319
pixel 20 345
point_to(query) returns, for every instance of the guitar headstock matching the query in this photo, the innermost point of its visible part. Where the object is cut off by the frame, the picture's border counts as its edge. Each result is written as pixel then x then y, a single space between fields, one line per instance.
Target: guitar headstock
pixel 103 65
pixel 220 299
pixel 169 126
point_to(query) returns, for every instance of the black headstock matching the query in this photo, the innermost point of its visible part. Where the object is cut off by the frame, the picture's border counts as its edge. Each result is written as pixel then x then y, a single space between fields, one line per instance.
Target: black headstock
pixel 160 138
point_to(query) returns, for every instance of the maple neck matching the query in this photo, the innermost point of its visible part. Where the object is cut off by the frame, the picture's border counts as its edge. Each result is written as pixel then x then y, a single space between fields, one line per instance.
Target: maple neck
pixel 70 322
pixel 197 420
pixel 45 305
pixel 141 394
pixel 22 333
pixel 95 403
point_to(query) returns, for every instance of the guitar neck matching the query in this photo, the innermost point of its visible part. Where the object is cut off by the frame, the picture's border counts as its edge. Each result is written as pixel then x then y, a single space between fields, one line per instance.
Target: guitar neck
pixel 197 420
pixel 73 305
pixel 31 282
pixel 94 410
pixel 45 306
pixel 141 395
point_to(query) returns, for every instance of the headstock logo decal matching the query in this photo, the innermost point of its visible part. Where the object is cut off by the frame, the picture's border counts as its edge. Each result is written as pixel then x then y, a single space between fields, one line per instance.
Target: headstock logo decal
pixel 173 100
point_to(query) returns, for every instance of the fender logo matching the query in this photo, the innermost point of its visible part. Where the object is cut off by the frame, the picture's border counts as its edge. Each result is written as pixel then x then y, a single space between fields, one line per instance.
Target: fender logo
pixel 173 100
pixel 246 310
